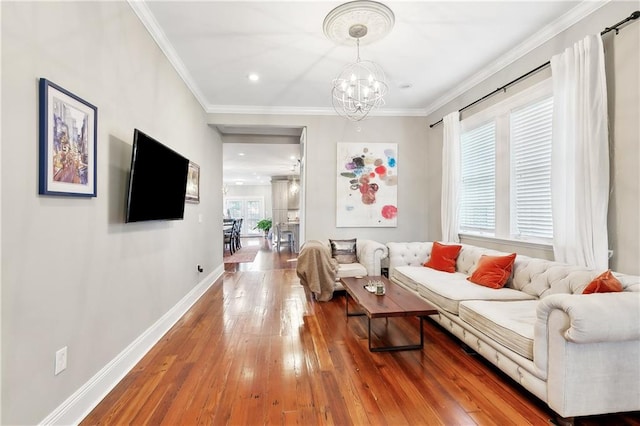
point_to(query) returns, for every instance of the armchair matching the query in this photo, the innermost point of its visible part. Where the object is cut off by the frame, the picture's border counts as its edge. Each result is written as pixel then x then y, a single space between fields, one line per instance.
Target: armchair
pixel 321 273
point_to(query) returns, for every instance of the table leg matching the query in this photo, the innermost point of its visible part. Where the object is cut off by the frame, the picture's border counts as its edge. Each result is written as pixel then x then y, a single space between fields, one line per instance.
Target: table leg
pixel 397 348
pixel 346 306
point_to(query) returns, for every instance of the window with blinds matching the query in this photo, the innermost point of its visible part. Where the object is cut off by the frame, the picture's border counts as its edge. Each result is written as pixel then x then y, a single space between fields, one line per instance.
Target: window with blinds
pixel 530 133
pixel 506 168
pixel 478 168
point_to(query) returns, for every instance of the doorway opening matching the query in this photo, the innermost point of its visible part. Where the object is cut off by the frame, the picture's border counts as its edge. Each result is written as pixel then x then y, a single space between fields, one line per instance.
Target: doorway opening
pixel 263 177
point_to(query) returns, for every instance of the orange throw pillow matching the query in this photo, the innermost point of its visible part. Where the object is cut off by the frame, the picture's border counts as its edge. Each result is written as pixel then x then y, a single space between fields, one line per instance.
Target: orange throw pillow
pixel 443 257
pixel 603 283
pixel 493 271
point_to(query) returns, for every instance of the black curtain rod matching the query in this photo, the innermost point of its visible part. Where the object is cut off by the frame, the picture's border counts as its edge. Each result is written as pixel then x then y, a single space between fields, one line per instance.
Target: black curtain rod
pixel 616 28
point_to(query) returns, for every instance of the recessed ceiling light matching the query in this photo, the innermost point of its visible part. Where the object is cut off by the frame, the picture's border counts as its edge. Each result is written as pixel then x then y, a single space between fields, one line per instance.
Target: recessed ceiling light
pixel 254 77
pixel 241 154
pixel 239 183
pixel 293 157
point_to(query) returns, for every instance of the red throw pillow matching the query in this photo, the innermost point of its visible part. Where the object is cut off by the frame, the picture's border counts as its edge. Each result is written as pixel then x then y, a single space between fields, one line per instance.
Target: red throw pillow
pixel 493 271
pixel 603 283
pixel 443 257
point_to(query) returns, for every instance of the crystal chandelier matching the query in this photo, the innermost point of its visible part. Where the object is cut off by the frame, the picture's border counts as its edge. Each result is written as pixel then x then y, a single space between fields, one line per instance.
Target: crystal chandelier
pixel 361 86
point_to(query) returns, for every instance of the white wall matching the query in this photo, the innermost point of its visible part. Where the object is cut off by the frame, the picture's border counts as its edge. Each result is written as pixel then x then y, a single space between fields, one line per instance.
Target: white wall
pixel 323 133
pixel 1 363
pixel 622 68
pixel 73 274
pixel 623 87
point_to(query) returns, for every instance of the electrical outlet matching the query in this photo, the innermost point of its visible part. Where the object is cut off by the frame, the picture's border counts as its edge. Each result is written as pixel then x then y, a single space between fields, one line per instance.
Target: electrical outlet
pixel 61 361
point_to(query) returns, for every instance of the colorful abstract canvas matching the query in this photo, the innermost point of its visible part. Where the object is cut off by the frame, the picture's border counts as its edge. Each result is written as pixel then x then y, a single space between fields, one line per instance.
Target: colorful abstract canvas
pixel 367 185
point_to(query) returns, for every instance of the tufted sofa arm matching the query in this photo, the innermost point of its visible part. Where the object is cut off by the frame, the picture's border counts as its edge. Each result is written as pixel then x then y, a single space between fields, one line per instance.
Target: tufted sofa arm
pixel 589 342
pixel 593 318
pixel 370 254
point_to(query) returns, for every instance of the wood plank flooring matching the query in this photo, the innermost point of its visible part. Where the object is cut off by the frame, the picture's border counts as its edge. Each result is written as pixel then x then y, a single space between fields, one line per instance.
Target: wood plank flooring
pixel 256 349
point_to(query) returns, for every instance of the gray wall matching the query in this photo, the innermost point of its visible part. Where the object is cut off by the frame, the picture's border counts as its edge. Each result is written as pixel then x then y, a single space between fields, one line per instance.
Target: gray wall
pixel 73 274
pixel 323 132
pixel 623 69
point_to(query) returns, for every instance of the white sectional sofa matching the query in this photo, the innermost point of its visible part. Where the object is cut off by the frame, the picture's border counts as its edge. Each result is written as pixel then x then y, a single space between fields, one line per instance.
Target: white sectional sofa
pixel 579 353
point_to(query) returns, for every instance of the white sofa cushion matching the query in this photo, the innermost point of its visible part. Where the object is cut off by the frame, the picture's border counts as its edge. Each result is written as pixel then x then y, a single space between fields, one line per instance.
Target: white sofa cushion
pixel 509 323
pixel 447 290
pixel 404 279
pixel 351 270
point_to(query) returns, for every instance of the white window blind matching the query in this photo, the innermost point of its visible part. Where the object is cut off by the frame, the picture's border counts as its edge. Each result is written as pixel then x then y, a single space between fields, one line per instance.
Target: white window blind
pixel 530 130
pixel 478 194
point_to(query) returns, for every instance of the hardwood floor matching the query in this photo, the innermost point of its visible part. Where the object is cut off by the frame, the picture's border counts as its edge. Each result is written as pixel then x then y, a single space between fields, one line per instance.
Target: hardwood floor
pixel 256 349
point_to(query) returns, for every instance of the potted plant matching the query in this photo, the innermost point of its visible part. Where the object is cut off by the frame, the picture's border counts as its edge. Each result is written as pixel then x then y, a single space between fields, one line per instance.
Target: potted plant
pixel 265 225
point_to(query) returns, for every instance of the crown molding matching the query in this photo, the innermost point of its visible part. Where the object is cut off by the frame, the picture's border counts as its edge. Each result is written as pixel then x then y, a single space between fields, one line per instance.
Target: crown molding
pixel 255 109
pixel 549 31
pixel 148 20
pixel 574 15
pixel 146 17
pixel 240 109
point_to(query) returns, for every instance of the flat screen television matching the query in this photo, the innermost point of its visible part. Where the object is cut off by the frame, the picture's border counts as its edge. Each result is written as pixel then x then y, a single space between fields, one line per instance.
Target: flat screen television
pixel 157 181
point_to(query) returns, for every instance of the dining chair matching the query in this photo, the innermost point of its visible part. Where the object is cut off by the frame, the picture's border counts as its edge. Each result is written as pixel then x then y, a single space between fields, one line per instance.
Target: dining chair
pixel 237 231
pixel 283 236
pixel 227 232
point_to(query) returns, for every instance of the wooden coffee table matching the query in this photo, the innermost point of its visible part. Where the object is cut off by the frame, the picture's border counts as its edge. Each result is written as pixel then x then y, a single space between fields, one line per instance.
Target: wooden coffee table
pixel 396 302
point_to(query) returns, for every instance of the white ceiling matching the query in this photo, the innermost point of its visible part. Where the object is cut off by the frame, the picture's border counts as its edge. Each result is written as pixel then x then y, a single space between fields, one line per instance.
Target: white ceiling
pixel 252 154
pixel 254 164
pixel 436 50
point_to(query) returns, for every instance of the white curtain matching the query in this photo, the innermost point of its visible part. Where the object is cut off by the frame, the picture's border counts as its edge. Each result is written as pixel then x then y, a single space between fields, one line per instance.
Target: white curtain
pixel 450 177
pixel 580 155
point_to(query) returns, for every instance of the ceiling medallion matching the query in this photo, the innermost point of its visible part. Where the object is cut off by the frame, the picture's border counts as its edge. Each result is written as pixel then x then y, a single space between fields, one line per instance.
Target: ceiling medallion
pixel 361 86
pixel 376 17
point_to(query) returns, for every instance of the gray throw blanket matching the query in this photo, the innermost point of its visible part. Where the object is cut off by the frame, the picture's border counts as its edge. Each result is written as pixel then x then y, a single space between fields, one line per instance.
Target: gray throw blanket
pixel 317 269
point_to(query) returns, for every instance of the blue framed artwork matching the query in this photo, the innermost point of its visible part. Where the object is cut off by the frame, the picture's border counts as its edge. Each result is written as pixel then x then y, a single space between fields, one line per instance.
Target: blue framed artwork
pixel 68 140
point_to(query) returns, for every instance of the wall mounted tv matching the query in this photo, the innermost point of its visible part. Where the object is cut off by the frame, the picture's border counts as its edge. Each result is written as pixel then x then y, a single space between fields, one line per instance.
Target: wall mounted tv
pixel 157 181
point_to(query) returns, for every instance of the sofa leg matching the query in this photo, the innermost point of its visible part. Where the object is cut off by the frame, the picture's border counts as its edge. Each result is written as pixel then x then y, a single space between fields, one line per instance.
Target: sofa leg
pixel 563 421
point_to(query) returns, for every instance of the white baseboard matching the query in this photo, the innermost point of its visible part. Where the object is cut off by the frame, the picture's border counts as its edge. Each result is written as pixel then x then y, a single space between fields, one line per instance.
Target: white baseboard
pixel 87 397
